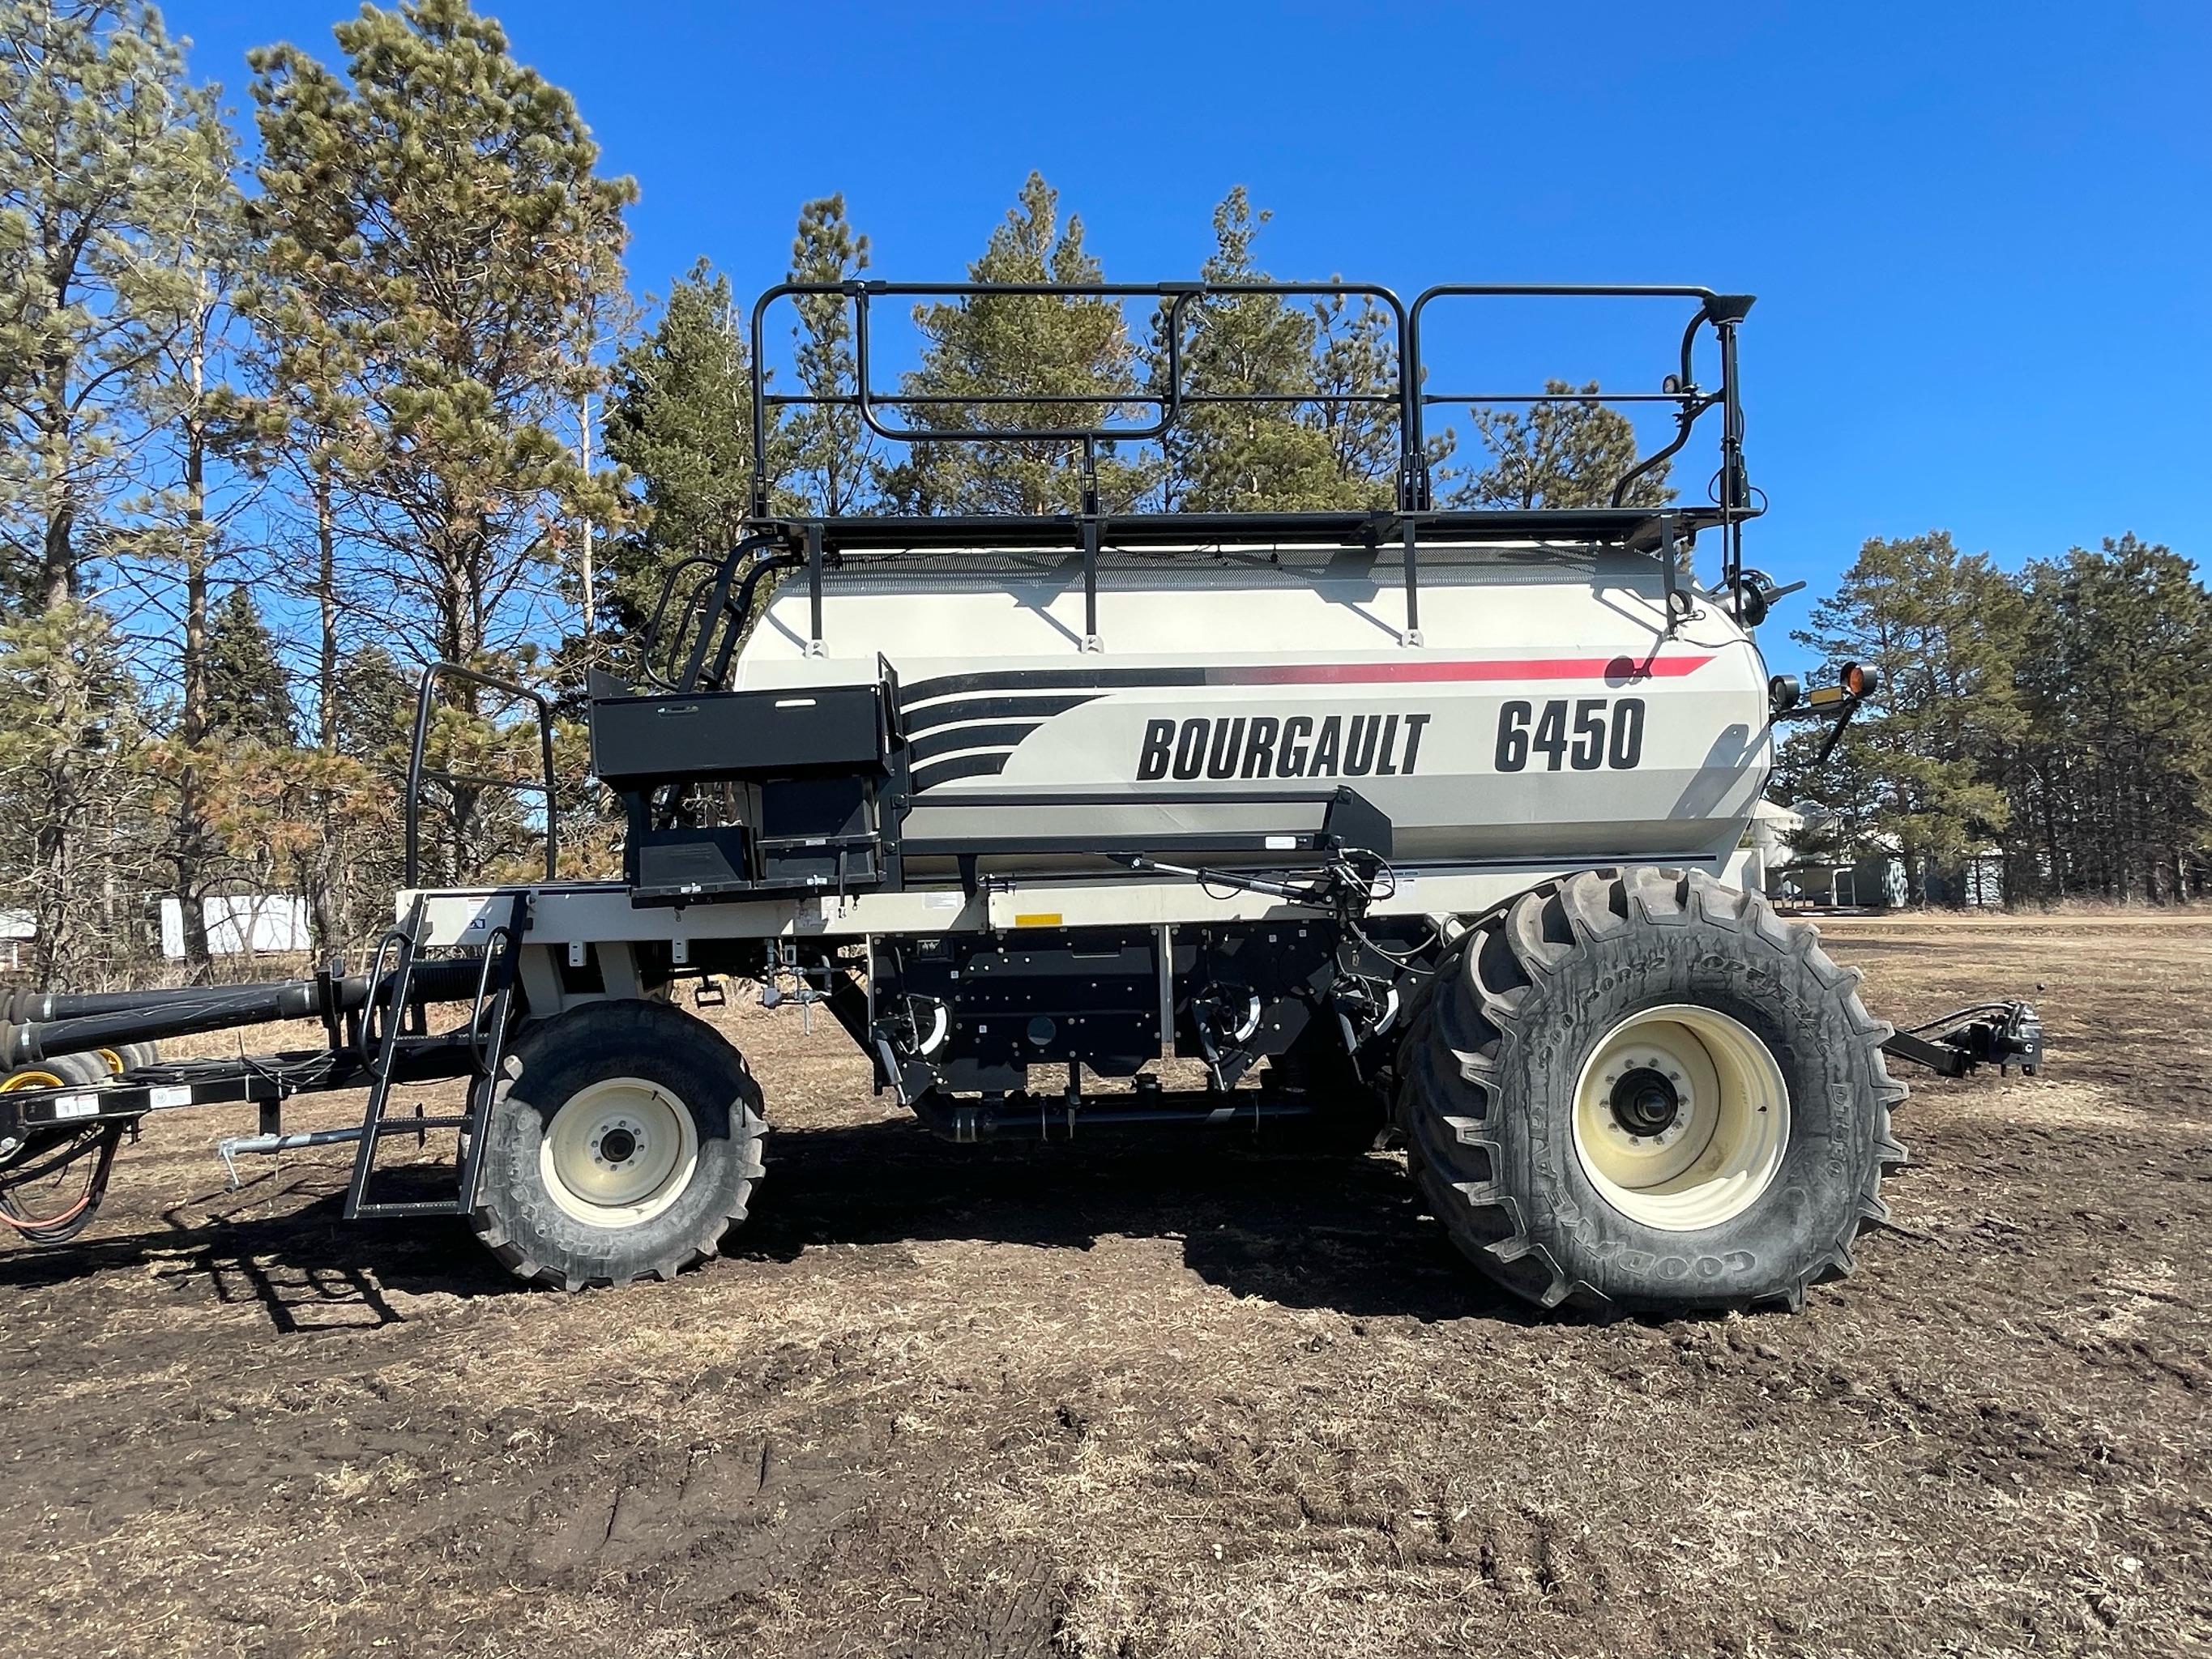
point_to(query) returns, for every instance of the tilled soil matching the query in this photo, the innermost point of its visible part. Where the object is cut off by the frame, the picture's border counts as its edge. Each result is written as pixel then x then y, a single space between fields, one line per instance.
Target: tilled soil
pixel 1185 1398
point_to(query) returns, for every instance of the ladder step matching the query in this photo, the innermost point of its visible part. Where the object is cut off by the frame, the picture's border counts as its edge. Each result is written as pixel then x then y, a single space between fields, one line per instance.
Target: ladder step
pixel 482 1048
pixel 405 1126
pixel 425 1206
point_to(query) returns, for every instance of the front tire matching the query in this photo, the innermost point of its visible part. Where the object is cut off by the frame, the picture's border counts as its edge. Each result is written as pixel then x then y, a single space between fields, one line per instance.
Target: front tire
pixel 623 1144
pixel 1642 1089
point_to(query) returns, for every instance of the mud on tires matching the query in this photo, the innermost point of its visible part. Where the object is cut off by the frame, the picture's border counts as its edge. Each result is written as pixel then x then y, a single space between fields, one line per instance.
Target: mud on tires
pixel 1641 1090
pixel 623 1142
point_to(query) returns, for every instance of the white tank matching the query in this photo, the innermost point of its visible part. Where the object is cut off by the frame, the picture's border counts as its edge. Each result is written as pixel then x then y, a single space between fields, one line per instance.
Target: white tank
pixel 1545 715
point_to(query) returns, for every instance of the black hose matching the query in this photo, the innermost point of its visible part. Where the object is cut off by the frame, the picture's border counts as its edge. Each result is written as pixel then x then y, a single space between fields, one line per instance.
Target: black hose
pixel 217 1008
pixel 67 1223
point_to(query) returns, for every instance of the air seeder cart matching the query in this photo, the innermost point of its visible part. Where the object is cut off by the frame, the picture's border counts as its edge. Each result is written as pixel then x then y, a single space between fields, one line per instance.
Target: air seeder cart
pixel 1419 822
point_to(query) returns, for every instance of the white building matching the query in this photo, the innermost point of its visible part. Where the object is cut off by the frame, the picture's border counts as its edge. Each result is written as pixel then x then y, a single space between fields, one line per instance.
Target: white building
pixel 238 924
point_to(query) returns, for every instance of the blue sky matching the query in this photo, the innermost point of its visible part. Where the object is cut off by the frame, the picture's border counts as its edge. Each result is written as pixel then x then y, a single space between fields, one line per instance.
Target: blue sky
pixel 1981 236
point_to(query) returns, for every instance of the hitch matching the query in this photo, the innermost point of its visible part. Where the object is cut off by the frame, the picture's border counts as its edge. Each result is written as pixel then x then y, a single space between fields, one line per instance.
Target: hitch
pixel 2000 1034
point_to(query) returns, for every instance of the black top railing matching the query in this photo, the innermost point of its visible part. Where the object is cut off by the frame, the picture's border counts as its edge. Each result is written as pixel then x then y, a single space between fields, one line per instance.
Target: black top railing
pixel 1169 396
pixel 707 601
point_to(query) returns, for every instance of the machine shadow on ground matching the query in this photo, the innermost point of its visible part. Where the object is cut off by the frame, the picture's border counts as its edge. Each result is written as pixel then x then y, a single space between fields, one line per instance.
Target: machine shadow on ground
pixel 1341 1231
pixel 1338 1230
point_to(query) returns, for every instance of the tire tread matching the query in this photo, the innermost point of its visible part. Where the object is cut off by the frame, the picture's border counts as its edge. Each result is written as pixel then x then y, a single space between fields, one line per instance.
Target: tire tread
pixel 1447 1057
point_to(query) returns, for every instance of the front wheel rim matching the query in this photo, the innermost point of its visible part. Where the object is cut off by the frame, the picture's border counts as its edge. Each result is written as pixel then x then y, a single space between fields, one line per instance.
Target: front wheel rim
pixel 1681 1118
pixel 619 1152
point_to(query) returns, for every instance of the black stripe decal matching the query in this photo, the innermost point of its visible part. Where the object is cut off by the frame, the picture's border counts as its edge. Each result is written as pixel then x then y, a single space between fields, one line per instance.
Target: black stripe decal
pixel 1005 736
pixel 971 709
pixel 1048 679
pixel 984 765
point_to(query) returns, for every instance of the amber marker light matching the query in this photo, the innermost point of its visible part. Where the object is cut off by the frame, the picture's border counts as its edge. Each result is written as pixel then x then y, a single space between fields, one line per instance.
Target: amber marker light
pixel 1859 680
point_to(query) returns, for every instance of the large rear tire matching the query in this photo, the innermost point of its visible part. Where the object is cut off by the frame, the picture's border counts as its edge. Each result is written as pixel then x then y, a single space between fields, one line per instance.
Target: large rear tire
pixel 623 1142
pixel 1641 1090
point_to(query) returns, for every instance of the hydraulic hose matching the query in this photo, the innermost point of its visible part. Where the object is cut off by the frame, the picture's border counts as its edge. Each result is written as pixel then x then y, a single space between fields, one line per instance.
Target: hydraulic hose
pixel 26 1005
pixel 77 1027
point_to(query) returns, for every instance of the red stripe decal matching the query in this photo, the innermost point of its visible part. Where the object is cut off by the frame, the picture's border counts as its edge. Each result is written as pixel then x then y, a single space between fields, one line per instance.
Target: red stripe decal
pixel 1615 671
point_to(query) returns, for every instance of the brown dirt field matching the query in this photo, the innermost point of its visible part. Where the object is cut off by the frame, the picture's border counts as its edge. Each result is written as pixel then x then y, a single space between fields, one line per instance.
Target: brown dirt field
pixel 1180 1400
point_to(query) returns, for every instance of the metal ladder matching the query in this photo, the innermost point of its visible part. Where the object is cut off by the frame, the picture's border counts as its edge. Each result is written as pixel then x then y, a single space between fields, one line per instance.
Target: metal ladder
pixel 484 1036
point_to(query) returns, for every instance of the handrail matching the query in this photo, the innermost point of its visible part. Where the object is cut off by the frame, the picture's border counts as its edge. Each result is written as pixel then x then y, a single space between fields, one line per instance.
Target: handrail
pixel 1721 311
pixel 415 770
pixel 1170 398
pixel 720 611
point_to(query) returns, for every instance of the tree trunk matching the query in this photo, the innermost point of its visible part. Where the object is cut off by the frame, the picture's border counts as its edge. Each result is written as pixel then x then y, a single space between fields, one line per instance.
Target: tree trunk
pixel 190 856
pixel 327 878
pixel 58 952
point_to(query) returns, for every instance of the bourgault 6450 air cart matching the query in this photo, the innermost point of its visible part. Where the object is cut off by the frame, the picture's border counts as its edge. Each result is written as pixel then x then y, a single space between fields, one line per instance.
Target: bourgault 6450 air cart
pixel 1419 821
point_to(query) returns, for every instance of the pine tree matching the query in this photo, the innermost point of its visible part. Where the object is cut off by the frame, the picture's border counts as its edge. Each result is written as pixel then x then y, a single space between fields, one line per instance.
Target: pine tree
pixel 1018 346
pixel 1356 362
pixel 113 169
pixel 106 154
pixel 2111 780
pixel 447 200
pixel 1222 458
pixel 679 419
pixel 76 800
pixel 832 450
pixel 1918 765
pixel 1560 454
pixel 302 361
pixel 202 436
pixel 249 692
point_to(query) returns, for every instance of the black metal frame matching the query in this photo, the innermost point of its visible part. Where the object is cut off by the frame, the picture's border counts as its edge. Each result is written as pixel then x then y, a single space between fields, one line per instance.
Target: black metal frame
pixel 416 775
pixel 1413 519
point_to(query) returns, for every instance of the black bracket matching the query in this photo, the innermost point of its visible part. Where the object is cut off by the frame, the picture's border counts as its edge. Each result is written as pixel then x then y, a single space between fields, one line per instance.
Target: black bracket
pixel 1836 732
pixel 1670 575
pixel 814 645
pixel 1999 1034
pixel 1092 529
pixel 1413 636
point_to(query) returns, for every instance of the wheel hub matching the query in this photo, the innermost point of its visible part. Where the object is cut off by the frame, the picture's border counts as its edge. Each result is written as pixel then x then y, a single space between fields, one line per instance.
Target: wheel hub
pixel 619 1152
pixel 1681 1117
pixel 1644 1101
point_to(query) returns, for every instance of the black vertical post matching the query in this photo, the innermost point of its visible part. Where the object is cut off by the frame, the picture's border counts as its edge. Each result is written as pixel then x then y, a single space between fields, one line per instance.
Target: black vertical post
pixel 1090 640
pixel 814 647
pixel 1413 587
pixel 1670 569
pixel 1412 468
pixel 1732 480
pixel 1413 441
pixel 1734 483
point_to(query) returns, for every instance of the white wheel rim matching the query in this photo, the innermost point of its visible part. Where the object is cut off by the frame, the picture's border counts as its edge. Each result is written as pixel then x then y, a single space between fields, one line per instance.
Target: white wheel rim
pixel 1697 1149
pixel 619 1152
